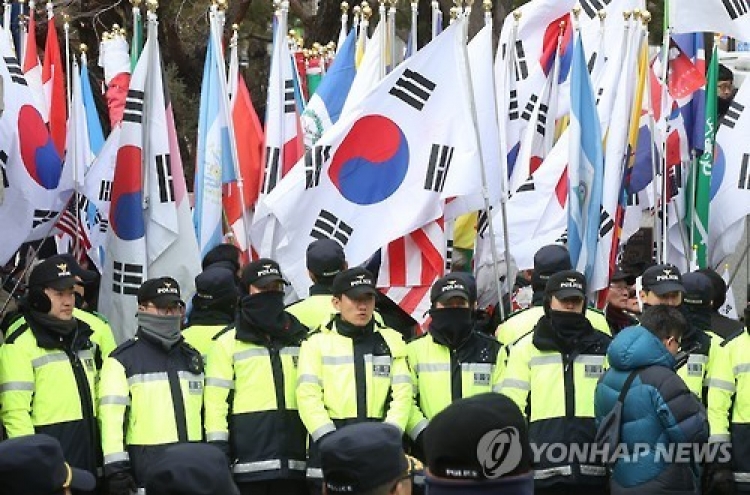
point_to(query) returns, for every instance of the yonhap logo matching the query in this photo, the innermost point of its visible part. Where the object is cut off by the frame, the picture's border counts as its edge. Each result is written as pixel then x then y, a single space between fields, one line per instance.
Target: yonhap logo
pixel 499 452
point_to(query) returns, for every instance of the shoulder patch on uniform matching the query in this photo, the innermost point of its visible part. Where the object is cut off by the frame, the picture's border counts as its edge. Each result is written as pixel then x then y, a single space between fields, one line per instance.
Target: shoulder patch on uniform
pixel 124 346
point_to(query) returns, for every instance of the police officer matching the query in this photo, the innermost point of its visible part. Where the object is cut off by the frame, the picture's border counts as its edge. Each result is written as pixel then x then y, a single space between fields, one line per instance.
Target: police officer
pixel 548 260
pixel 353 369
pixel 721 325
pixel 554 372
pixel 325 259
pixel 729 416
pixel 661 285
pixel 214 307
pixel 251 377
pixel 48 367
pixel 150 389
pixel 452 360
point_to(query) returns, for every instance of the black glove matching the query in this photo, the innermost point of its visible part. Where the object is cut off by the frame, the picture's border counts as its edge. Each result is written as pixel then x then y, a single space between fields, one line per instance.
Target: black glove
pixel 121 483
pixel 720 482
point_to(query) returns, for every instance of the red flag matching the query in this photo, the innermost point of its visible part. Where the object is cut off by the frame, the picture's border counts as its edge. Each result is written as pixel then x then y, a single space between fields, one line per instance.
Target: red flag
pixel 53 79
pixel 249 137
pixel 684 77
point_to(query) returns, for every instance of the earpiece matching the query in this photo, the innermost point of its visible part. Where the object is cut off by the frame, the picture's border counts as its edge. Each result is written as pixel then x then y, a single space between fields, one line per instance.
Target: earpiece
pixel 38 300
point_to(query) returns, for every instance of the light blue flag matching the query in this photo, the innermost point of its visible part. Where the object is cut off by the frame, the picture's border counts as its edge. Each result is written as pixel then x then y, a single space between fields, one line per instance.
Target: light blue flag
pixel 96 135
pixel 585 167
pixel 214 165
pixel 324 108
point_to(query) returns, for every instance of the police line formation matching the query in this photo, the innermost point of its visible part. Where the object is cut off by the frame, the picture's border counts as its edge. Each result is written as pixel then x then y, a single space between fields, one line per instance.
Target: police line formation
pixel 269 386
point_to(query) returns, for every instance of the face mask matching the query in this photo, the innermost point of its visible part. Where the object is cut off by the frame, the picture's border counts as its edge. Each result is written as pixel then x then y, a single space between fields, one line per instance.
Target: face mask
pixel 165 329
pixel 722 105
pixel 568 325
pixel 451 326
pixel 264 312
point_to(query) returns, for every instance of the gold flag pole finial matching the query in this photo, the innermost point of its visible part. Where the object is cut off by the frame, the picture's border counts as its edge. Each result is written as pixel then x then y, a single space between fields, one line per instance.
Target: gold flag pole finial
pixel 646 16
pixel 626 15
pixel 577 12
pixel 152 5
pixel 84 48
pixel 344 8
pixel 487 5
pixel 517 15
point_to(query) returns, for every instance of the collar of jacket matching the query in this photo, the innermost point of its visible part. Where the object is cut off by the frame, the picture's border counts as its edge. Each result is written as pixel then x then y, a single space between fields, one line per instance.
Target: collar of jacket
pixel 546 339
pixel 46 339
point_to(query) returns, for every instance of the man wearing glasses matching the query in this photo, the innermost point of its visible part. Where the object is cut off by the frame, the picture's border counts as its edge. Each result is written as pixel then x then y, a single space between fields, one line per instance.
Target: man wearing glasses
pixel 151 389
pixel 620 298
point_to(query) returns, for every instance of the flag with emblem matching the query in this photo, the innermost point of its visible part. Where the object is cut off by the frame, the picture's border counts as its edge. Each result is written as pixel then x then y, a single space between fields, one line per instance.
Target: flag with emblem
pixel 586 168
pixel 730 181
pixel 34 190
pixel 404 176
pixel 151 231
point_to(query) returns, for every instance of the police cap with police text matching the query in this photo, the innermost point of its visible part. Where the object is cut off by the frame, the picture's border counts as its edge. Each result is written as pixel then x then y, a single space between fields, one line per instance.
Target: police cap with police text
pixel 190 469
pixel 59 272
pixel 662 279
pixel 161 292
pixel 448 287
pixel 699 290
pixel 354 282
pixel 260 273
pixel 565 284
pixel 325 257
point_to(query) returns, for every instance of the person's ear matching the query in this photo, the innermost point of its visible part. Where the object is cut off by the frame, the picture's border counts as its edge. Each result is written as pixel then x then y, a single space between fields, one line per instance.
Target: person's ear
pixel 336 303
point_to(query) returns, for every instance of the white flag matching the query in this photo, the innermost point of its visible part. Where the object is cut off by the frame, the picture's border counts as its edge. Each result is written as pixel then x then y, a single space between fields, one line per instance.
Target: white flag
pixel 730 179
pixel 730 17
pixel 365 192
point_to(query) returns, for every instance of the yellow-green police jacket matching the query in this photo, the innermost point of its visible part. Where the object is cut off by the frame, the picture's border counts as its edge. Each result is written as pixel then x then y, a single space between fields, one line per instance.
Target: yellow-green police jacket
pixel 250 402
pixel 729 403
pixel 523 322
pixel 201 337
pixel 442 375
pixel 314 311
pixel 148 398
pixel 556 390
pixel 102 333
pixel 695 372
pixel 47 386
pixel 344 380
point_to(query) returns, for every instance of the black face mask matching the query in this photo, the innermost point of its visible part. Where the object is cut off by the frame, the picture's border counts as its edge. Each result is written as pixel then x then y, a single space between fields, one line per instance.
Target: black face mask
pixel 451 326
pixel 722 105
pixel 264 312
pixel 568 326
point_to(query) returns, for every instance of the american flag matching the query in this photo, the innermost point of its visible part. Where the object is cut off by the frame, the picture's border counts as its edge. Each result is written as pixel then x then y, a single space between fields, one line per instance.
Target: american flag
pixel 74 228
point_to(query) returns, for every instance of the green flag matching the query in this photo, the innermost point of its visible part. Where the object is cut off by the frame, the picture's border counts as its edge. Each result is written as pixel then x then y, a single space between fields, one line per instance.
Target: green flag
pixel 137 45
pixel 705 163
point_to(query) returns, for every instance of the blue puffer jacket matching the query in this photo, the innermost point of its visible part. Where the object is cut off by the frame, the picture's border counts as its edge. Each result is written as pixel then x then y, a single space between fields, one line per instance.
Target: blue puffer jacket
pixel 658 412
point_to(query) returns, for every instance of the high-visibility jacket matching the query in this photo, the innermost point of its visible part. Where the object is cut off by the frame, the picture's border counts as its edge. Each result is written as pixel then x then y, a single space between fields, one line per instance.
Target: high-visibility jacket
pixel 148 398
pixel 695 372
pixel 442 375
pixel 250 402
pixel 102 334
pixel 343 380
pixel 729 403
pixel 558 389
pixel 314 311
pixel 201 337
pixel 522 323
pixel 47 386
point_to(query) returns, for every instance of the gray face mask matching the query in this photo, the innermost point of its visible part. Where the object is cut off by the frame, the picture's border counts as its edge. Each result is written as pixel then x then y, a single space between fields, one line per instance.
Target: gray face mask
pixel 165 329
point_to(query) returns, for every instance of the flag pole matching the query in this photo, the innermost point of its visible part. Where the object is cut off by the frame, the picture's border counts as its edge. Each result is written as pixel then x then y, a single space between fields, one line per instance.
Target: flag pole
pixel 664 78
pixel 413 33
pixel 392 31
pixel 485 192
pixel 435 16
pixel 487 6
pixel 22 32
pixel 6 19
pixel 383 39
pixel 68 86
pixel 151 24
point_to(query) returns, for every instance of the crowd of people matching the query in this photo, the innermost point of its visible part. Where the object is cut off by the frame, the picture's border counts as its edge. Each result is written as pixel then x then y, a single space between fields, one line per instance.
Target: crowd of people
pixel 244 395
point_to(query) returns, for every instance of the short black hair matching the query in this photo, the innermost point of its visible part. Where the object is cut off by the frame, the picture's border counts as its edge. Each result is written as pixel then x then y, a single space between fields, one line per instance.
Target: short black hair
pixel 664 321
pixel 725 73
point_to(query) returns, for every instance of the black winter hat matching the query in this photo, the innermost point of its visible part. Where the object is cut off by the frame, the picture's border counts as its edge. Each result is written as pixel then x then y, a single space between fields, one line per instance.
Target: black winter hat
pixel 325 258
pixel 549 260
pixel 354 282
pixel 363 456
pixel 214 284
pixel 190 469
pixel 161 291
pixel 699 291
pixel 222 252
pixel 463 440
pixel 35 465
pixel 59 272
